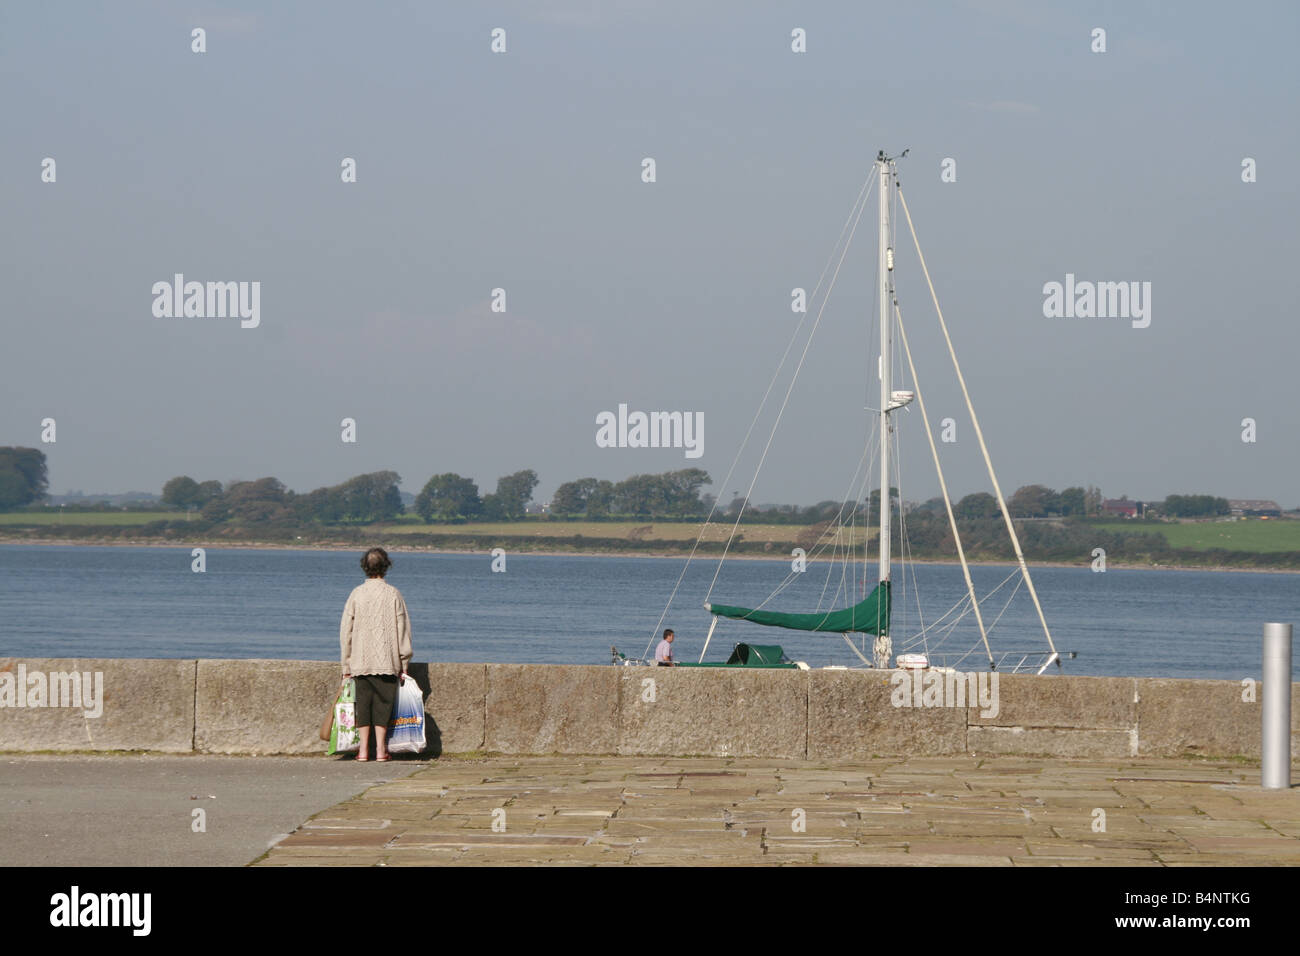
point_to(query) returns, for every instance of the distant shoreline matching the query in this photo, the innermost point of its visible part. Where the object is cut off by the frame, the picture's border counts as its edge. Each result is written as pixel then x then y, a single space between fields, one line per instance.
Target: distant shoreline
pixel 552 553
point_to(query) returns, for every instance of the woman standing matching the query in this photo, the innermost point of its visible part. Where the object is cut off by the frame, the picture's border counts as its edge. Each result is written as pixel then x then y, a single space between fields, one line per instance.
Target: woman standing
pixel 375 638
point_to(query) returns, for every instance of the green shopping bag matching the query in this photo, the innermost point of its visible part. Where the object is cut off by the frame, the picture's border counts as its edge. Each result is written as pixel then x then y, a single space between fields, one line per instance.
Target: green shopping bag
pixel 344 736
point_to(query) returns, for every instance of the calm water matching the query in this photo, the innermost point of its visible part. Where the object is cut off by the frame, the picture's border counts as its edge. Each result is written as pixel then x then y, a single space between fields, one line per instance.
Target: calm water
pixel 146 602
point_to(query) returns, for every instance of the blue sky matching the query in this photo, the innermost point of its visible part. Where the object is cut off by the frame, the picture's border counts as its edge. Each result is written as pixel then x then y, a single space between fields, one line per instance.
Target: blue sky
pixel 522 171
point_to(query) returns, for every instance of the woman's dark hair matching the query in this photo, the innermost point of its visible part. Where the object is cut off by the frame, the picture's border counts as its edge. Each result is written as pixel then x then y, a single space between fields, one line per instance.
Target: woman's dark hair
pixel 375 563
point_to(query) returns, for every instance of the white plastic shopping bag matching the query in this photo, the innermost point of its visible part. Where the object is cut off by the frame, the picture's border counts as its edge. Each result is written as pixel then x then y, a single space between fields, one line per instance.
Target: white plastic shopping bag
pixel 406 732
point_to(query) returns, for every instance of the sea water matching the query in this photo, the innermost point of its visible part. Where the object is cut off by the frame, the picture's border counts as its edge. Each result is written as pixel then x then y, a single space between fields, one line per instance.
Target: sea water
pixel 70 601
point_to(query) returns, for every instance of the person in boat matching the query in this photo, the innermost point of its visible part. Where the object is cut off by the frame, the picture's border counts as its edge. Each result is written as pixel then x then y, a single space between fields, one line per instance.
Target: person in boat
pixel 664 652
pixel 375 640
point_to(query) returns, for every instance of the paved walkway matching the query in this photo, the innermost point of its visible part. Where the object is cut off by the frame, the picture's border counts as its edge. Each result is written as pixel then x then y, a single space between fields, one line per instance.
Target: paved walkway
pixel 704 811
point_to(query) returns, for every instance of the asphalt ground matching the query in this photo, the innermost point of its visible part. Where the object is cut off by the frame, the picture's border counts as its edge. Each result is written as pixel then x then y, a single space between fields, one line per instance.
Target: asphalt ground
pixel 138 809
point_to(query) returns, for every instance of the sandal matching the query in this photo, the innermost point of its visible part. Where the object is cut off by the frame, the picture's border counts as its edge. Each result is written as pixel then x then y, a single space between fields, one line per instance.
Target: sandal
pixel 383 758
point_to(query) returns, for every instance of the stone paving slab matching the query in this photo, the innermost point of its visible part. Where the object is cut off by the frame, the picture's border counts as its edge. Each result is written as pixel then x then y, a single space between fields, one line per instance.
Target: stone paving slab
pixel 959 811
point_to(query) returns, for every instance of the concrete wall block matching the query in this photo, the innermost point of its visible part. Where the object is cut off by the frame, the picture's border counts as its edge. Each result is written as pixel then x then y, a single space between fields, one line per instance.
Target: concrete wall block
pixel 146 704
pixel 263 706
pixel 721 712
pixel 852 716
pixel 455 700
pixel 543 708
pixel 1084 703
pixel 1207 717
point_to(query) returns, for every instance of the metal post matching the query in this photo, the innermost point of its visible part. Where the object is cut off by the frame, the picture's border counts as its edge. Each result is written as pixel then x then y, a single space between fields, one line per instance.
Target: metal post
pixel 886 379
pixel 882 649
pixel 1276 738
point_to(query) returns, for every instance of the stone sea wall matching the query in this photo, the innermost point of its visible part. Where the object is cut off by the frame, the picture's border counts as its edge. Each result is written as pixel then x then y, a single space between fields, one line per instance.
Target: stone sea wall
pixel 276 707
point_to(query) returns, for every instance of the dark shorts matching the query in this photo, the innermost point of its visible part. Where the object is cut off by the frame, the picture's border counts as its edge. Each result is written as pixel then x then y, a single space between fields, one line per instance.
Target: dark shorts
pixel 376 695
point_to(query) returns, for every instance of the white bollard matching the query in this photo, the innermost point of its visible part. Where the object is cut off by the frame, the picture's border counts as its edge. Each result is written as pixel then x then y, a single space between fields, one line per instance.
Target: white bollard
pixel 1275 745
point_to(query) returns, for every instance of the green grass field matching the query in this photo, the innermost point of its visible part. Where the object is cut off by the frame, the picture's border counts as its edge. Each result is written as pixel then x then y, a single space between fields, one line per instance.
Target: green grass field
pixel 97 518
pixel 1252 534
pixel 413 524
pixel 629 530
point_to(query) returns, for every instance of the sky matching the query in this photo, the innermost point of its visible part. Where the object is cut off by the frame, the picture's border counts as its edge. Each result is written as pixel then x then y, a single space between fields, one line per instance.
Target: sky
pixel 523 171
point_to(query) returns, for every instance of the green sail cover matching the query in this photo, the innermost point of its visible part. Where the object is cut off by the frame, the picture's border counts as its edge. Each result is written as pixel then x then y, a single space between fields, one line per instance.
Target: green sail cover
pixel 870 616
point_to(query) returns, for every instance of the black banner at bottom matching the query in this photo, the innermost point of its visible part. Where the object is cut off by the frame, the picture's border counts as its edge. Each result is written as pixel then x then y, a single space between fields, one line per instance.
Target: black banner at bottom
pixel 269 905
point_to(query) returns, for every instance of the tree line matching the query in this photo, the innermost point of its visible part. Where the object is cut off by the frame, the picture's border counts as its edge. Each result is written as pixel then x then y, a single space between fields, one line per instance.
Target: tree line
pixel 1195 506
pixel 670 494
pixel 1029 501
pixel 447 498
pixel 359 500
pixel 1032 501
pixel 453 498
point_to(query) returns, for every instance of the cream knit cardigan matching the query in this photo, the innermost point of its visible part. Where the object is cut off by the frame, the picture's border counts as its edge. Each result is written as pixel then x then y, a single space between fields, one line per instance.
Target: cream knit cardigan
pixel 375 634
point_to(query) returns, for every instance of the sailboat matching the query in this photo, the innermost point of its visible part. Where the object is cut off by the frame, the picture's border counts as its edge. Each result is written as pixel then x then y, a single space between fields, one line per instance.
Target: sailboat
pixel 872 616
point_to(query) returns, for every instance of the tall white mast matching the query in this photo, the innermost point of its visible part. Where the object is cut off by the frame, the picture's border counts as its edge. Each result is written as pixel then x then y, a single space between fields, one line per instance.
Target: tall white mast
pixel 883 644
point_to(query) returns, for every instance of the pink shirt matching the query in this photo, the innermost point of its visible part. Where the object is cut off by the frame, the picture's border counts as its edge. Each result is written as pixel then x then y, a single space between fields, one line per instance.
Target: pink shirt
pixel 664 652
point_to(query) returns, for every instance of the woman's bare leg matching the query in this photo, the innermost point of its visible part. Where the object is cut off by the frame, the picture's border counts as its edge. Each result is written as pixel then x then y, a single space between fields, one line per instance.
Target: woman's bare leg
pixel 381 742
pixel 364 752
